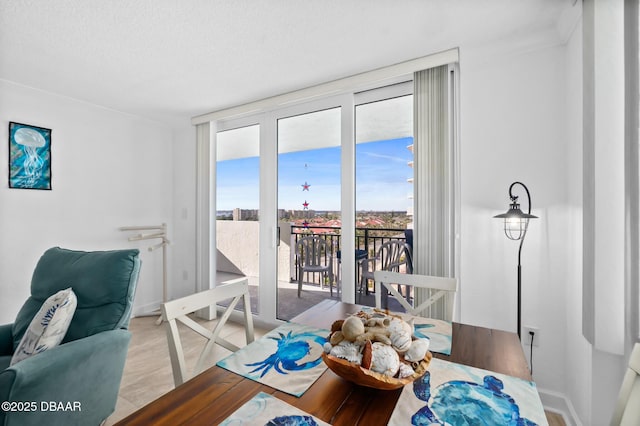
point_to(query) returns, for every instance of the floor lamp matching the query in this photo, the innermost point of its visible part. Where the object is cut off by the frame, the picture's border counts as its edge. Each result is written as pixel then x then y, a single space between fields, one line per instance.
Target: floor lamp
pixel 515 227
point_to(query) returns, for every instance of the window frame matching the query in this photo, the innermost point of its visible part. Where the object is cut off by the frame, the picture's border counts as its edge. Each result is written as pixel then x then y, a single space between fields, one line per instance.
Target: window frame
pixel 376 85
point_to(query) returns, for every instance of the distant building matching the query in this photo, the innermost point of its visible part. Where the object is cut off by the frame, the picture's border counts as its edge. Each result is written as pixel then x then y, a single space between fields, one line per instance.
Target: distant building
pixel 245 214
pixel 410 180
pixel 295 214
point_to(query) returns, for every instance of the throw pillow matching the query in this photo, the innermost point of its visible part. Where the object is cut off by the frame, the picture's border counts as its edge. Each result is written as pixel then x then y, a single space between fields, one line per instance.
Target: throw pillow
pixel 48 327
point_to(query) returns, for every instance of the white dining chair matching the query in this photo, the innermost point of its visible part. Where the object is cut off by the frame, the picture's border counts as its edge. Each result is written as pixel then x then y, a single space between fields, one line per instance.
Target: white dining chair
pixel 441 285
pixel 627 410
pixel 179 309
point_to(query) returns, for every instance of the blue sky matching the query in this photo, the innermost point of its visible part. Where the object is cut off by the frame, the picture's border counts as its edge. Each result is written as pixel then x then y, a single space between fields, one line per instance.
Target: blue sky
pixel 381 178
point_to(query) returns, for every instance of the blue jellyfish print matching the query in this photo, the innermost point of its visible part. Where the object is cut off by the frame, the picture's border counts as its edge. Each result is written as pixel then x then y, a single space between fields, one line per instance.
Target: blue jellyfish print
pixel 291 349
pixel 28 171
pixel 292 421
pixel 460 402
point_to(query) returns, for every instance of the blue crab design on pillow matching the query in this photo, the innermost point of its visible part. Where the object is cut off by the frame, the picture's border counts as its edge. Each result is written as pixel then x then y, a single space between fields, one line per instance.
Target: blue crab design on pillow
pixel 460 402
pixel 291 349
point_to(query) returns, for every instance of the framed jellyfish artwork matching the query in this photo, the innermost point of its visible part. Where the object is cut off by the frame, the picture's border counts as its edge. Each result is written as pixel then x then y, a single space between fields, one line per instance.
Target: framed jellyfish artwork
pixel 29 157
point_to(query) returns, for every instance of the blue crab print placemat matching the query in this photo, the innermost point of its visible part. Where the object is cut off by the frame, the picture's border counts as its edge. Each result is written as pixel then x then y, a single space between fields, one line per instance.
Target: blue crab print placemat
pixel 264 409
pixel 437 331
pixel 456 394
pixel 288 358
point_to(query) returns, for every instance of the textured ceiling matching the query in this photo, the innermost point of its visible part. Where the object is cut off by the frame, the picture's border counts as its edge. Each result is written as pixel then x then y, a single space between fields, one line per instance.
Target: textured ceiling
pixel 169 60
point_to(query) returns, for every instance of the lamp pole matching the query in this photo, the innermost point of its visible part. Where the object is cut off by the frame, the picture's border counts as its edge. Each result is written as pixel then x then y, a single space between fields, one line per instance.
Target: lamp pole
pixel 516 224
pixel 519 257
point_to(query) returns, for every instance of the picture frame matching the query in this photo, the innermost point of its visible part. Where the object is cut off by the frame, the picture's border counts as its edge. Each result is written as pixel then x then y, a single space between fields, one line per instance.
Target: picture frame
pixel 29 156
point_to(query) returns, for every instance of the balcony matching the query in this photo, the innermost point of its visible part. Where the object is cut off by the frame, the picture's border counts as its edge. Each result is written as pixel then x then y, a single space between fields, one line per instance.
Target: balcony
pixel 236 258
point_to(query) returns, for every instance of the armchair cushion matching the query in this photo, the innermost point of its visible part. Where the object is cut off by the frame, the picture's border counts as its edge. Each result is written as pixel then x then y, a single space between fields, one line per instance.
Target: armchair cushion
pixel 4 362
pixel 104 283
pixel 85 373
pixel 48 327
pixel 6 340
pixel 6 346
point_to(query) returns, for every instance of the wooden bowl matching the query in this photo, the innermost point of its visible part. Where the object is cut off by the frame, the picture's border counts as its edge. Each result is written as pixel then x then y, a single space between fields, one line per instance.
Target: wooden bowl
pixel 365 377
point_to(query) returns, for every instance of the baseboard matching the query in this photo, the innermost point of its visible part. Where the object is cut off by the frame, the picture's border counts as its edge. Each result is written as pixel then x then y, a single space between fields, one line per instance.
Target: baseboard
pixel 560 404
pixel 147 310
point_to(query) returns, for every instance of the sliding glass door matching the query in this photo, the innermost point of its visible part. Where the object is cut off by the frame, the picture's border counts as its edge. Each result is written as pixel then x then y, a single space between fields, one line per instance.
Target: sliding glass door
pixel 309 185
pixel 337 169
pixel 384 184
pixel 259 224
pixel 237 207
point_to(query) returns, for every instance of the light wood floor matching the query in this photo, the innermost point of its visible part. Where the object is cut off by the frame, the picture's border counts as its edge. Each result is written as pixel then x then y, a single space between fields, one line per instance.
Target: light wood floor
pixel 147 373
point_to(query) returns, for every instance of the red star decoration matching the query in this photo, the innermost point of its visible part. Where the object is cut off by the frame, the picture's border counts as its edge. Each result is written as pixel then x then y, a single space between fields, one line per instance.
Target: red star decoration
pixel 306 186
pixel 305 205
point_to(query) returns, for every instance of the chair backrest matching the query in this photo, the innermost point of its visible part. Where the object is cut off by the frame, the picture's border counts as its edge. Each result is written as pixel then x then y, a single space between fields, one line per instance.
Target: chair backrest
pixel 178 309
pixel 627 410
pixel 439 284
pixel 408 253
pixel 312 250
pixel 104 283
pixel 392 254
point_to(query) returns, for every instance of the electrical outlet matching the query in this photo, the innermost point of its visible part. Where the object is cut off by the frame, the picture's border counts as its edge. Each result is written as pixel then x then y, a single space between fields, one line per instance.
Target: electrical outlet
pixel 526 336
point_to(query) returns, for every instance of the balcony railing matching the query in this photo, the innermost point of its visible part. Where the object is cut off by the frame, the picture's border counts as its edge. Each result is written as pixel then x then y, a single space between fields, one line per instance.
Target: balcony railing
pixel 368 240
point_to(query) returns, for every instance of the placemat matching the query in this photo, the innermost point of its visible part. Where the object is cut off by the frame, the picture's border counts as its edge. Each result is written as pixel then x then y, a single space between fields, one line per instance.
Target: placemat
pixel 437 331
pixel 287 358
pixel 265 409
pixel 461 395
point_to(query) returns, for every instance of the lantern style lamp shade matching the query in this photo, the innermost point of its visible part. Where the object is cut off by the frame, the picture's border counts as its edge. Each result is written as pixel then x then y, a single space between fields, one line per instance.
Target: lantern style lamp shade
pixel 516 223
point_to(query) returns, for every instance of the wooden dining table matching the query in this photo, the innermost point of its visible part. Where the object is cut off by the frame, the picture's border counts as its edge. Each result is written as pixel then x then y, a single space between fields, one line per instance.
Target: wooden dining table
pixel 213 395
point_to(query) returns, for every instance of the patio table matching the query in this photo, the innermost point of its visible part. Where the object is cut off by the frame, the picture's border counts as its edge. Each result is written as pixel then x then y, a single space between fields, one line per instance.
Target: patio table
pixel 359 255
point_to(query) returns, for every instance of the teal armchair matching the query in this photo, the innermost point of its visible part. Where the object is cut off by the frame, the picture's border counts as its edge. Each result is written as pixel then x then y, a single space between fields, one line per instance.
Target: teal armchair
pixel 77 382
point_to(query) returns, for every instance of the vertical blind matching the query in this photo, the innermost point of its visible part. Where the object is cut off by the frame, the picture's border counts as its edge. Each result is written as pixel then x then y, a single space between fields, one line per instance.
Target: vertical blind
pixel 434 180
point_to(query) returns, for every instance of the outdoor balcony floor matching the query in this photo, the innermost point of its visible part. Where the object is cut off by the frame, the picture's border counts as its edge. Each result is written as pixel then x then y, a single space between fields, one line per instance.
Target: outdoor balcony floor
pixel 290 305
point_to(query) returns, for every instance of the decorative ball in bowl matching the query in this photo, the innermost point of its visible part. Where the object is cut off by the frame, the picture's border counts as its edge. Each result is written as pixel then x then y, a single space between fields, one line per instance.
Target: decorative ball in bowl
pixel 377 350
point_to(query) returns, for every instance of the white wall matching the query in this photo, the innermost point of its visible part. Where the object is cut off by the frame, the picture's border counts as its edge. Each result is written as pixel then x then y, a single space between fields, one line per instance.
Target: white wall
pixel 578 359
pixel 521 119
pixel 513 129
pixel 108 170
pixel 182 251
